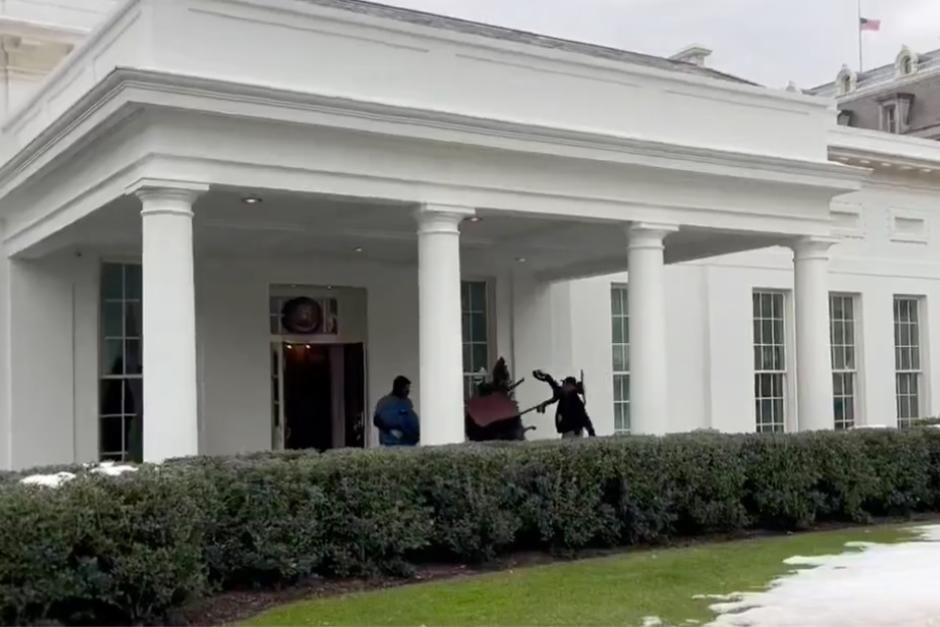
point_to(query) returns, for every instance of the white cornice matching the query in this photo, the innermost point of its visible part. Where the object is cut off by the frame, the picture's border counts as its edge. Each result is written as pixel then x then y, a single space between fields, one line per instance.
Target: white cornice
pixel 41 31
pixel 880 150
pixel 129 88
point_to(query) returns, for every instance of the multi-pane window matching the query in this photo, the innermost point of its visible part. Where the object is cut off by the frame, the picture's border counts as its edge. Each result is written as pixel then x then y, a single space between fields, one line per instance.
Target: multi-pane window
pixel 476 358
pixel 121 398
pixel 907 358
pixel 620 322
pixel 844 358
pixel 770 361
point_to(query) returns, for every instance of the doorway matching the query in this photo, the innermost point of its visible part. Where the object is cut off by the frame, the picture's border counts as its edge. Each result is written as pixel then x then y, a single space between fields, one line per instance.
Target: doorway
pixel 323 392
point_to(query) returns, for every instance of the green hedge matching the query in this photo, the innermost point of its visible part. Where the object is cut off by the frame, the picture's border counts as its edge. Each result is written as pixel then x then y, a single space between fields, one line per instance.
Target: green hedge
pixel 136 548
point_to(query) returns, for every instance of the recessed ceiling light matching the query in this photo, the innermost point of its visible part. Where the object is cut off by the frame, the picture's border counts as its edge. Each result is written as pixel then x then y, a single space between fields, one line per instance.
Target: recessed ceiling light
pixel 251 200
pixel 358 249
pixel 521 259
pixel 476 219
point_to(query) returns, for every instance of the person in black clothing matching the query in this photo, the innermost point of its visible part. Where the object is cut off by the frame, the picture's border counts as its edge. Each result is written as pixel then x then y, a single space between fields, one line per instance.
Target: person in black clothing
pixel 571 418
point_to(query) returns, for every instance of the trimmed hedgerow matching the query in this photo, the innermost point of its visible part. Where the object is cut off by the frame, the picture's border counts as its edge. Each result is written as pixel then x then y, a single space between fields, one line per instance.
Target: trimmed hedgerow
pixel 136 548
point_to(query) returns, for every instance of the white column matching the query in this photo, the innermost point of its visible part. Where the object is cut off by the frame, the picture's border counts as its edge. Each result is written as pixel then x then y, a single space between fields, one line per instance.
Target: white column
pixel 439 326
pixel 813 365
pixel 171 425
pixel 649 401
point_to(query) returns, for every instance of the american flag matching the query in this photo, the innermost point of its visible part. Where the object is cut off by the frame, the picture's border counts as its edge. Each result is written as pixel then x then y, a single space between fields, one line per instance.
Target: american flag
pixel 866 24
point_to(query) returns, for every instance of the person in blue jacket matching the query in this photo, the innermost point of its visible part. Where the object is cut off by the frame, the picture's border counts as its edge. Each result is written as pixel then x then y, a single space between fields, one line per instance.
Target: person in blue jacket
pixel 395 416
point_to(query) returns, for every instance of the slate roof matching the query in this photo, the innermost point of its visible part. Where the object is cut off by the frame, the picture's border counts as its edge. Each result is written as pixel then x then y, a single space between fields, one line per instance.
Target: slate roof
pixel 518 36
pixel 882 75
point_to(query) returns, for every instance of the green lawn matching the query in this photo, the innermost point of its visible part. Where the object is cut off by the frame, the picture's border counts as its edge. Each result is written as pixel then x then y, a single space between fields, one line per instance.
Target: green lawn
pixel 619 590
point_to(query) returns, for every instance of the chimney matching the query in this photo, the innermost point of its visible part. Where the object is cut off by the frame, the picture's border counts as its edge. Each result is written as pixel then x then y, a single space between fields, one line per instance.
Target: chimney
pixel 694 54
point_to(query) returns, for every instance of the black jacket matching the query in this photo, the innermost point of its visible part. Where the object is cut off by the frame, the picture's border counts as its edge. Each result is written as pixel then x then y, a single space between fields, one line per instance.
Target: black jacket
pixel 570 415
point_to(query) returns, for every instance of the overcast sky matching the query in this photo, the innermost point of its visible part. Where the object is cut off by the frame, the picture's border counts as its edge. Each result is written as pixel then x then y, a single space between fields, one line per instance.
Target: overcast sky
pixel 768 41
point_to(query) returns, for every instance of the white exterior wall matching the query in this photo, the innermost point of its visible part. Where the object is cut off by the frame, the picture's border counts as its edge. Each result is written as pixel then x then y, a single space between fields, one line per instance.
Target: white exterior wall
pixel 49 308
pixel 709 313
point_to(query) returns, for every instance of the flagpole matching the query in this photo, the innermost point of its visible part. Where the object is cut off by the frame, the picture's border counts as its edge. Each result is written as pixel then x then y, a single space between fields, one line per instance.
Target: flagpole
pixel 858 27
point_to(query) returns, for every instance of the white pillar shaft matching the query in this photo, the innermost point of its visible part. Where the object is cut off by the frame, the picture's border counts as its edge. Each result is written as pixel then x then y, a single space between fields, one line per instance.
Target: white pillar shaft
pixel 647 324
pixel 813 365
pixel 440 339
pixel 171 427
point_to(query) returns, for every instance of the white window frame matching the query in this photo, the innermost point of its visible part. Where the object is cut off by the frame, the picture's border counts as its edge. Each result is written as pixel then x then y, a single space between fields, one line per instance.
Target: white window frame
pixel 771 383
pixel 890 125
pixel 845 356
pixel 909 359
pixel 471 379
pixel 124 379
pixel 620 317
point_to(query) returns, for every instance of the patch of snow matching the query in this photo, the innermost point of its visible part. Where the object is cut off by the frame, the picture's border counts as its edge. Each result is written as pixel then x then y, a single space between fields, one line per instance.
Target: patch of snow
pixel 108 469
pixel 734 596
pixel 880 585
pixel 652 621
pixel 48 481
pixel 113 470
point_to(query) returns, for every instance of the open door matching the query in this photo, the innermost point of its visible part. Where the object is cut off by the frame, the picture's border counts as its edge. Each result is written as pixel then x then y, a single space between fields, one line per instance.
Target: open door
pixel 318 396
pixel 308 397
pixel 355 395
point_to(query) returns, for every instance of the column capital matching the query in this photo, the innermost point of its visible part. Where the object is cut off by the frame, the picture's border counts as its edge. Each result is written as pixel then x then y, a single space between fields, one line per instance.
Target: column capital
pixel 812 247
pixel 435 218
pixel 648 234
pixel 169 190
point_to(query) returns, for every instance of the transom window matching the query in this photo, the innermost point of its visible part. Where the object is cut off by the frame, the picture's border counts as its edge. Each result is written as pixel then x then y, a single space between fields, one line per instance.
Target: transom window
pixel 476 347
pixel 907 358
pixel 844 359
pixel 121 390
pixel 770 361
pixel 620 345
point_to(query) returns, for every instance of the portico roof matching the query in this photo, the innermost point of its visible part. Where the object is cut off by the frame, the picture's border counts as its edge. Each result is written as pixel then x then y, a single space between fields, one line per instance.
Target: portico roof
pixel 388 107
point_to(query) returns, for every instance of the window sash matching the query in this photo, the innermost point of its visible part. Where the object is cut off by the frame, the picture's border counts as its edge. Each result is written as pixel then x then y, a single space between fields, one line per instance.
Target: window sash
pixel 620 356
pixel 907 359
pixel 120 374
pixel 844 359
pixel 770 361
pixel 475 333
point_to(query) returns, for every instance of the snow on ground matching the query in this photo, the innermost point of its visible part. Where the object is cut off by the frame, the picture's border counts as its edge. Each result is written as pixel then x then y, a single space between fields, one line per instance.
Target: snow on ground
pixel 871 585
pixel 55 480
pixel 49 481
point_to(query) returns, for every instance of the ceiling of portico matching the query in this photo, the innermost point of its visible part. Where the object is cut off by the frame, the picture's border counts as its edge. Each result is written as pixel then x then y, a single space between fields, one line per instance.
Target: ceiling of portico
pixel 297 225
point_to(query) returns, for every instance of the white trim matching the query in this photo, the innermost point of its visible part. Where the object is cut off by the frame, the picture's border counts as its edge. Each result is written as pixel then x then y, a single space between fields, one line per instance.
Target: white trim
pixel 919 231
pixel 123 86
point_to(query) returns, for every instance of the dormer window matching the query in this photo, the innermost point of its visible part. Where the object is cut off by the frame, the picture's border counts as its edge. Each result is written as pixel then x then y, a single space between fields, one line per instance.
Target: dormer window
pixel 845 86
pixel 906 62
pixel 896 113
pixel 845 81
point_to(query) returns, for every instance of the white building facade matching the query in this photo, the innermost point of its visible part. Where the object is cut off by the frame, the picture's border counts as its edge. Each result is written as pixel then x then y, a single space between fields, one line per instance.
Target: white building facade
pixel 227 226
